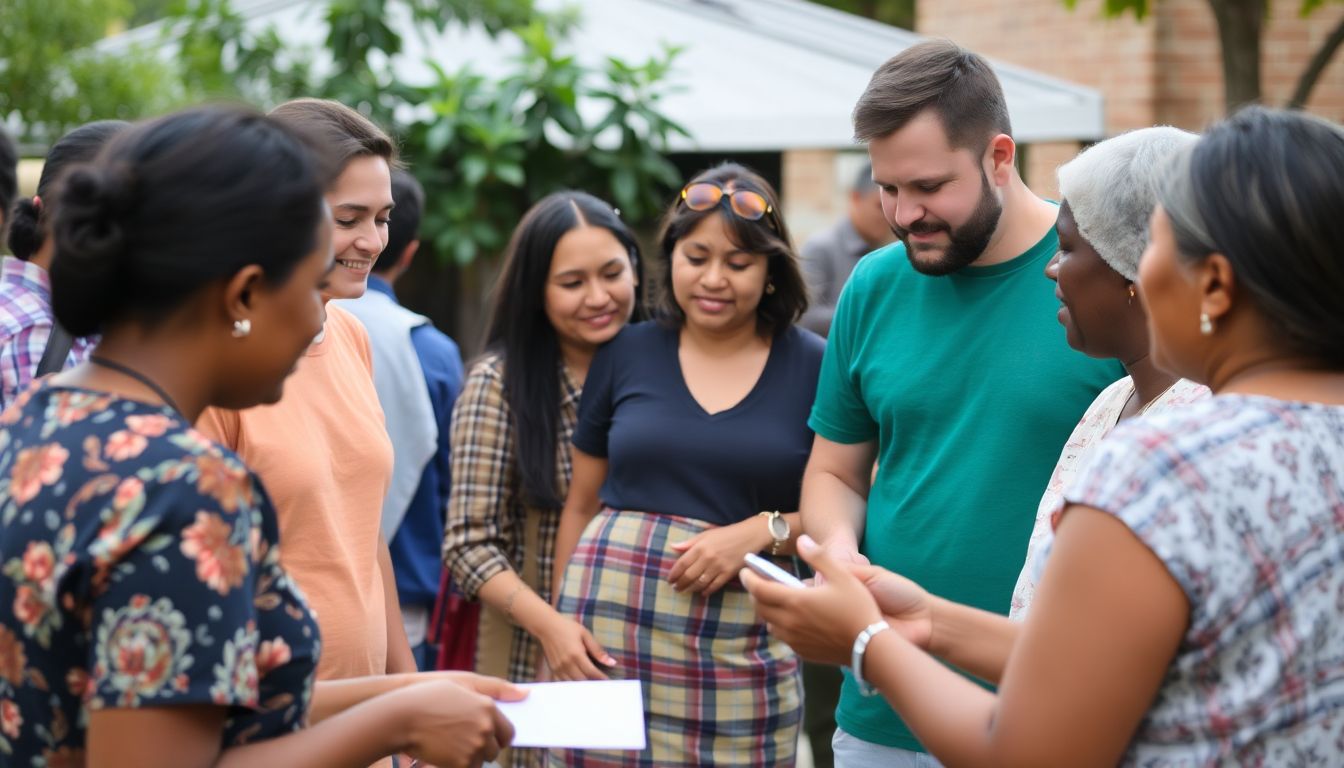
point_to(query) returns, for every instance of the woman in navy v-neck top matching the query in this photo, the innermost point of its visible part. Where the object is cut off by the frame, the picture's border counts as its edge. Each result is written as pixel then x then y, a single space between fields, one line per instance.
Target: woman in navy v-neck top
pixel 667 455
pixel 694 469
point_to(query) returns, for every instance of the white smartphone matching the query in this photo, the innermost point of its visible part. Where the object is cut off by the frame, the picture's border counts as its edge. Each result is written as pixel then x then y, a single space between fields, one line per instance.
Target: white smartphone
pixel 773 572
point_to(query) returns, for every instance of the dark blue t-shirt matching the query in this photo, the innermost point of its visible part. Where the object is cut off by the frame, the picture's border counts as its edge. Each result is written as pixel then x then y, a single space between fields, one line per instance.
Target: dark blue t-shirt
pixel 667 455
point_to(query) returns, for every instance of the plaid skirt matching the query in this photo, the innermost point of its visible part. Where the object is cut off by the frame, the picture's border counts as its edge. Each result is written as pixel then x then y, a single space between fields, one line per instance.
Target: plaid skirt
pixel 718 688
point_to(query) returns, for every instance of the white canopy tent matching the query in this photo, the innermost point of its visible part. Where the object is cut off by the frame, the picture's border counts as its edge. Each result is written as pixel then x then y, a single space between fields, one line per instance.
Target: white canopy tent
pixel 756 75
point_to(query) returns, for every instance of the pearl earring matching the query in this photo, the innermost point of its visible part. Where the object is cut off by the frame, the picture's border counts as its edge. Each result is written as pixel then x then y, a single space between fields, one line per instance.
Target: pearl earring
pixel 241 328
pixel 1205 324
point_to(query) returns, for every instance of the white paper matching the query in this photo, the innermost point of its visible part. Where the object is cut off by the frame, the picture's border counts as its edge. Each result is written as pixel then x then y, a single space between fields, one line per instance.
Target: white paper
pixel 592 714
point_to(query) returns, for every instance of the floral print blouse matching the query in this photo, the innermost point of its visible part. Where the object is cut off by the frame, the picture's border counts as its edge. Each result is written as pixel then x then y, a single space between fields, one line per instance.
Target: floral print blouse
pixel 139 566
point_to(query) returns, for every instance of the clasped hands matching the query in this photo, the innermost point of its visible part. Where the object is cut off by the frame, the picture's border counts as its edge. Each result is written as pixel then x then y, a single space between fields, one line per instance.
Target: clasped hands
pixel 821 622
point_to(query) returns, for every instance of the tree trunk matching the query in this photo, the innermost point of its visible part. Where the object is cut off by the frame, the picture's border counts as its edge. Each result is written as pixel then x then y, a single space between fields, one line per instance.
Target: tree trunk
pixel 1317 66
pixel 1240 23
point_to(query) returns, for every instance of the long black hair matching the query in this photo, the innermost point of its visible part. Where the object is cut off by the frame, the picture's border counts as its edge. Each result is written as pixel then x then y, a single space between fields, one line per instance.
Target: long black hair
pixel 522 334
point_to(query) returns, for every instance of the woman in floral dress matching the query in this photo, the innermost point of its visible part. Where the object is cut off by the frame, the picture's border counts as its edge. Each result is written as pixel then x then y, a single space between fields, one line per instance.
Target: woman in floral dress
pixel 152 623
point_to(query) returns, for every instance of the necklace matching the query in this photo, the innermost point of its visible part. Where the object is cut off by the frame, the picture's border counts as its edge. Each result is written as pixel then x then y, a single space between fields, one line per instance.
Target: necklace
pixel 1145 406
pixel 138 376
pixel 1160 395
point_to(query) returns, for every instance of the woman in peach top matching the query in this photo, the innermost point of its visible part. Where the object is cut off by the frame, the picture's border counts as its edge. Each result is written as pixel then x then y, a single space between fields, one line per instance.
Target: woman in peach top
pixel 323 451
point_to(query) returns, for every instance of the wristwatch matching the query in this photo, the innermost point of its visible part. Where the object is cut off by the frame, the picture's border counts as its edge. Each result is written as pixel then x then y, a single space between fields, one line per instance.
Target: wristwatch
pixel 856 655
pixel 779 530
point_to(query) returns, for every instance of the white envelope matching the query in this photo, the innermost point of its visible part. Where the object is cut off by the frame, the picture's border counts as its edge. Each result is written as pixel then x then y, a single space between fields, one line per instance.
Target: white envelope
pixel 592 714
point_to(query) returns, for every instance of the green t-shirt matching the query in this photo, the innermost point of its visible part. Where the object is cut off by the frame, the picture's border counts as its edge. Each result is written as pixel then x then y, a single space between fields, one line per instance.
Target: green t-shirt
pixel 969 387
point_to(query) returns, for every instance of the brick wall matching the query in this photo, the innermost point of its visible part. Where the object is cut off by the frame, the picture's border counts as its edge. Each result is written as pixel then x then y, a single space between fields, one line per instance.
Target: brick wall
pixel 1117 56
pixel 1164 69
pixel 1190 92
pixel 810 193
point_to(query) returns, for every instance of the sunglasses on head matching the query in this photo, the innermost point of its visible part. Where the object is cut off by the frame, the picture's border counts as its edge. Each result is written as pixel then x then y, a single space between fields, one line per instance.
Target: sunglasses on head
pixel 705 195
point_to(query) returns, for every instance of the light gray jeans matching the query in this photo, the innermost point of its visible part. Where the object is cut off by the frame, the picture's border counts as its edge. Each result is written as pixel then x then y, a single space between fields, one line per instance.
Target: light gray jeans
pixel 853 752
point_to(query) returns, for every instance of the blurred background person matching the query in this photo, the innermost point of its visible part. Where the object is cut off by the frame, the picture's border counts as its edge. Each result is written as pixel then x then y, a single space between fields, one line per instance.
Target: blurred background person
pixel 417 371
pixel 29 334
pixel 830 255
pixel 9 177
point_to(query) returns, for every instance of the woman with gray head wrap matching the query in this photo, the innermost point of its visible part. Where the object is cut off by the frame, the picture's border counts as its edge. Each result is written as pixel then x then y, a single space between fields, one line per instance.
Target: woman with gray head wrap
pixel 1109 192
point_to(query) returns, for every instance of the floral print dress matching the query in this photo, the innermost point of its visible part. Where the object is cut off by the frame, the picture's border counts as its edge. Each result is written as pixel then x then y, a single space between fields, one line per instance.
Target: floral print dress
pixel 139 566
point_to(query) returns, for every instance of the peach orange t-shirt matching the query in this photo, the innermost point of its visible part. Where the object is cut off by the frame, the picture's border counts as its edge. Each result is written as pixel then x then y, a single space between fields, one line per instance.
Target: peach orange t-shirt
pixel 324 456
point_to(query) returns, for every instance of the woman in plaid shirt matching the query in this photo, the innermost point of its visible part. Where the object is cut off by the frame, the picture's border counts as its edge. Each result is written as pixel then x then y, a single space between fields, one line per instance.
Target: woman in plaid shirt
pixel 568 284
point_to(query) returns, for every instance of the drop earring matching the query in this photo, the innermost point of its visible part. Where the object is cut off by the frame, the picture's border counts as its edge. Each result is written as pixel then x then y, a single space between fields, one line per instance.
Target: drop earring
pixel 1132 294
pixel 1205 324
pixel 770 289
pixel 241 328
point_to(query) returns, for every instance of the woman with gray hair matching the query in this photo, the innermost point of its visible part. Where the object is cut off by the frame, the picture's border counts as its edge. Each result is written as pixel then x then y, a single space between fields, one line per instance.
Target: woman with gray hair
pixel 1109 192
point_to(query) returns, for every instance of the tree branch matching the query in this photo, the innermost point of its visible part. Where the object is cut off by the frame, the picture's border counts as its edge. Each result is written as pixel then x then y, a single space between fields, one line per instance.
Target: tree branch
pixel 1317 67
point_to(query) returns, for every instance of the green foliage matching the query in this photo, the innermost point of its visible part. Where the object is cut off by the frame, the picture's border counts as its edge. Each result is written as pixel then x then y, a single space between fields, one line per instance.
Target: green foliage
pixel 50 80
pixel 898 13
pixel 1114 8
pixel 484 147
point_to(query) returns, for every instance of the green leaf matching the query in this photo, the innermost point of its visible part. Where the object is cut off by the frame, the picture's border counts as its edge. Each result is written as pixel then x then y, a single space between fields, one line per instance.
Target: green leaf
pixel 464 251
pixel 474 168
pixel 624 186
pixel 439 136
pixel 511 174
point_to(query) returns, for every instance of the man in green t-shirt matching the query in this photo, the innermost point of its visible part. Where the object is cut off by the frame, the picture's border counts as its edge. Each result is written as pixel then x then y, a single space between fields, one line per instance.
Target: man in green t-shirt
pixel 945 364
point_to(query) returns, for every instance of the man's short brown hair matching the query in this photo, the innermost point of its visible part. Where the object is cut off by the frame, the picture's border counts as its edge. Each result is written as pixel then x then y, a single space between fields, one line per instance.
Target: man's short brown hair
pixel 959 86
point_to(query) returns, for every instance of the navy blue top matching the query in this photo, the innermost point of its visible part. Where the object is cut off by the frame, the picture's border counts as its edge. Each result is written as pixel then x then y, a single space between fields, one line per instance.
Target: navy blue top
pixel 416 547
pixel 667 455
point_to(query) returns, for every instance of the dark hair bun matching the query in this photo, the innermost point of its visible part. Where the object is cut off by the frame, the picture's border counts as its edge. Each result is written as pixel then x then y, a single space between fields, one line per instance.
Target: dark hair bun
pixel 91 244
pixel 25 234
pixel 177 203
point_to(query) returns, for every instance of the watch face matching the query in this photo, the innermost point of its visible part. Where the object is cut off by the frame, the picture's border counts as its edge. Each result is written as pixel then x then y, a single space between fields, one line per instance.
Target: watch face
pixel 779 528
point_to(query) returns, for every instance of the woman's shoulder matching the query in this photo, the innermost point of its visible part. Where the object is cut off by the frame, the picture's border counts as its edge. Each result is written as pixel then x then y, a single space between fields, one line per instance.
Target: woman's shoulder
pixel 1188 439
pixel 488 367
pixel 806 342
pixel 638 336
pixel 343 321
pixel 79 433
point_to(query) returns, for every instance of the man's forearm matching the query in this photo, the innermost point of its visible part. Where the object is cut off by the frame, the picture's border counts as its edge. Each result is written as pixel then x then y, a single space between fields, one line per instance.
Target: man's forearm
pixel 833 512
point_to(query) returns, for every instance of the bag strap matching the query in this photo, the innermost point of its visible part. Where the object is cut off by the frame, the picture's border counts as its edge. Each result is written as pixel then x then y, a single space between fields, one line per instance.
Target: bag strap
pixel 58 349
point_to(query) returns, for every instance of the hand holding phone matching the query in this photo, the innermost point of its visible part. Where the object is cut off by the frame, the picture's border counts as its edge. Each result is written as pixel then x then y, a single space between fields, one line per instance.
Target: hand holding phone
pixel 769 570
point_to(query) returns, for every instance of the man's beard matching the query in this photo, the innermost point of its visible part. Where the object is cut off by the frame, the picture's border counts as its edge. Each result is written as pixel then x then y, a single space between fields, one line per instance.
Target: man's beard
pixel 965 243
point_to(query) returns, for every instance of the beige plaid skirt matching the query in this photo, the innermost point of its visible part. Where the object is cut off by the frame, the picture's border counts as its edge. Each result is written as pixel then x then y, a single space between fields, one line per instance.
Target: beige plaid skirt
pixel 718 688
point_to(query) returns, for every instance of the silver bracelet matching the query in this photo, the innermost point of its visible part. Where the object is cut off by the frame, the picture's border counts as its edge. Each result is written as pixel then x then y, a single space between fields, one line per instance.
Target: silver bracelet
pixel 856 655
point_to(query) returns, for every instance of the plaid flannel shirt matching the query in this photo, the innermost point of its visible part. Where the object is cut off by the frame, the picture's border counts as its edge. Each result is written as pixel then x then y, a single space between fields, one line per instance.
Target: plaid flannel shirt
pixel 25 325
pixel 485 522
